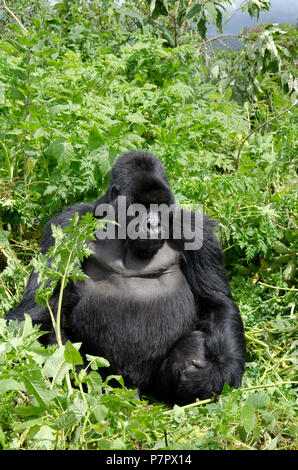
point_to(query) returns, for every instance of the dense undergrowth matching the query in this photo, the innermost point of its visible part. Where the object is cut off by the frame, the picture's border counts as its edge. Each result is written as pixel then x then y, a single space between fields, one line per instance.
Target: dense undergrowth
pixel 76 90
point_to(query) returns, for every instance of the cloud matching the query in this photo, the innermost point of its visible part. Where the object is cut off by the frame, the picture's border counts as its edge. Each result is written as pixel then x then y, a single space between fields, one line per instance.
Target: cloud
pixel 281 11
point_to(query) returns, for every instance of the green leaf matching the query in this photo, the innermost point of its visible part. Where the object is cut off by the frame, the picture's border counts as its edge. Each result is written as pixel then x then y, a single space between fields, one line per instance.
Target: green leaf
pixel 290 270
pixel 7 385
pixel 56 366
pixel 212 12
pixel 96 361
pixel 215 71
pixel 95 139
pixel 132 14
pixel 28 327
pixel 99 411
pixel 66 420
pixel 79 407
pixel 45 436
pixel 193 11
pixel 35 385
pixel 202 28
pixel 248 417
pixel 280 248
pixel 29 424
pixel 273 444
pixel 62 151
pixel 137 118
pixel 72 355
pixel 94 382
pixel 15 93
pixel 40 132
pixel 258 400
pixel 219 20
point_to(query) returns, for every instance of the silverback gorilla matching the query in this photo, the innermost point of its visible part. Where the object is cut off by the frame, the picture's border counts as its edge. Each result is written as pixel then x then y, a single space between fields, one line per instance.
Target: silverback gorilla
pixel 162 315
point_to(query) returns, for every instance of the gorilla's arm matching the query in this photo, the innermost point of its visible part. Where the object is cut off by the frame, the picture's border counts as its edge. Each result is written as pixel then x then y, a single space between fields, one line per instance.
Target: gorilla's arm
pixel 203 361
pixel 40 315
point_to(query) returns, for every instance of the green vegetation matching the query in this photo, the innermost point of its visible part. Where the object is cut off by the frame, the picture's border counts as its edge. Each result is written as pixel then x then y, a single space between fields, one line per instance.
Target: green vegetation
pixel 82 82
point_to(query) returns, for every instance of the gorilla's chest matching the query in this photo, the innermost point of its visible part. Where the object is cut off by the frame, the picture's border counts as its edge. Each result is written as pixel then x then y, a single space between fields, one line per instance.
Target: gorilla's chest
pixel 114 273
pixel 137 308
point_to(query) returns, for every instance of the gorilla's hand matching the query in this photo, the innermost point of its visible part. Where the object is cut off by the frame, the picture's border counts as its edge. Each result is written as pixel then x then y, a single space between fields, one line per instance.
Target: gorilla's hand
pixel 189 371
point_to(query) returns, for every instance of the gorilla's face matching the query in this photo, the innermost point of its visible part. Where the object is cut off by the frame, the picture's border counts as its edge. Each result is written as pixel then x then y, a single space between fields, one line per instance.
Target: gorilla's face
pixel 141 178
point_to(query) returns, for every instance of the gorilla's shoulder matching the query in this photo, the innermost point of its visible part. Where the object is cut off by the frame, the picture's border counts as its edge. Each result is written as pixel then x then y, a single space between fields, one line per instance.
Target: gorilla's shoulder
pixel 62 219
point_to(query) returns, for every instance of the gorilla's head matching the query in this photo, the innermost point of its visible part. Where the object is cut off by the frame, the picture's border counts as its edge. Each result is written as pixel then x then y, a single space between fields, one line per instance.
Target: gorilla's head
pixel 141 178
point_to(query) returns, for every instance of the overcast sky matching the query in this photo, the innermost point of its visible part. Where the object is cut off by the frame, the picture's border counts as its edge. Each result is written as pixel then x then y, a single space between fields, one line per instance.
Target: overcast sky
pixel 281 11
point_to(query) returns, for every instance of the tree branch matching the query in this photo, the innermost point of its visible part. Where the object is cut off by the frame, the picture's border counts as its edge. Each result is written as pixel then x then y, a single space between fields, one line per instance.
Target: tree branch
pixel 11 13
pixel 260 127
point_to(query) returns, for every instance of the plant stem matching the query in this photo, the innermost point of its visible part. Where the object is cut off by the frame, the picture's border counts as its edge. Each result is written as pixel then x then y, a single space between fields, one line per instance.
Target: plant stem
pixel 277 287
pixel 14 16
pixel 59 310
pixel 255 387
pixel 191 405
pixel 52 316
pixel 8 164
pixel 260 127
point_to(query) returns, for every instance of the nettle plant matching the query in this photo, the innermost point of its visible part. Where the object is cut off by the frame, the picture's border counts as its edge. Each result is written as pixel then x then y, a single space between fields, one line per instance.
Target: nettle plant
pixel 62 261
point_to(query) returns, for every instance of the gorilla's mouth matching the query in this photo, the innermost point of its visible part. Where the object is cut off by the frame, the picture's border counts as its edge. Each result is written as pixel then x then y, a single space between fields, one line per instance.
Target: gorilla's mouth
pixel 144 248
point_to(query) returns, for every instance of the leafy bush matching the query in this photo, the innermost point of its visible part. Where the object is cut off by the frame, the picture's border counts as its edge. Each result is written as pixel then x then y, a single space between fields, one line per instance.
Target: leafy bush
pixel 79 85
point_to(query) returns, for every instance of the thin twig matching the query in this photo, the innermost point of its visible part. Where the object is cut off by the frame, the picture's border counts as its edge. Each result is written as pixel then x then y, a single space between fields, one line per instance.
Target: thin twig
pixel 226 46
pixel 238 36
pixel 256 387
pixel 260 127
pixel 277 287
pixel 235 11
pixel 14 16
pixel 246 389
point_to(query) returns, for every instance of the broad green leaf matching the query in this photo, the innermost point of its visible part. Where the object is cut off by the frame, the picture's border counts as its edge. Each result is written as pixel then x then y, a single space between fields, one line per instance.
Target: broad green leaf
pixel 215 71
pixel 72 355
pixel 248 417
pixel 273 444
pixel 15 93
pixel 28 327
pixel 258 400
pixel 99 411
pixel 45 437
pixel 137 118
pixel 7 385
pixel 94 382
pixel 79 407
pixel 40 132
pixel 62 151
pixel 35 385
pixel 56 366
pixel 290 270
pixel 96 361
pixel 132 14
pixel 280 248
pixel 66 420
pixel 96 138
pixel 212 12
pixel 58 109
pixel 193 11
pixel 29 424
pixel 202 28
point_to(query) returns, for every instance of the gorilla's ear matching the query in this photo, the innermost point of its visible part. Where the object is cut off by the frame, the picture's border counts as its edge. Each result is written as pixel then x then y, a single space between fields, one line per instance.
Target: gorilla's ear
pixel 114 192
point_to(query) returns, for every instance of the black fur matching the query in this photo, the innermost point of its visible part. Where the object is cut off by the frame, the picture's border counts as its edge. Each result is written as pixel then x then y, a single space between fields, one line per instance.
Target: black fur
pixel 163 316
